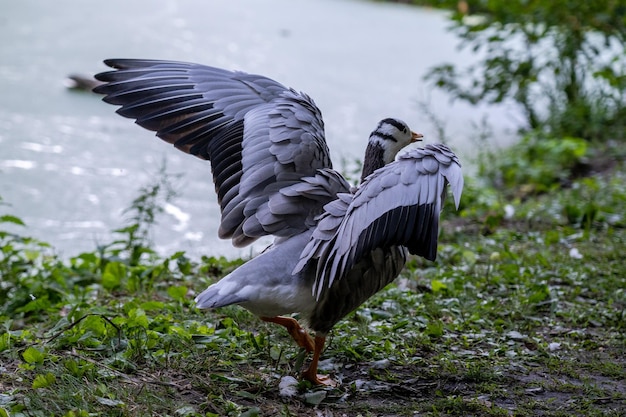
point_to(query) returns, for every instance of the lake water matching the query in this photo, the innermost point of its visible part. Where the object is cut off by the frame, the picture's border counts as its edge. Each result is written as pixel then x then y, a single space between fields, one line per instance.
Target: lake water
pixel 69 165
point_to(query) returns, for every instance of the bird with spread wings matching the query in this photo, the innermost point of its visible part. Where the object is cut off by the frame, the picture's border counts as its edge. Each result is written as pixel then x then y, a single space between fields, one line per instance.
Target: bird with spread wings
pixel 335 245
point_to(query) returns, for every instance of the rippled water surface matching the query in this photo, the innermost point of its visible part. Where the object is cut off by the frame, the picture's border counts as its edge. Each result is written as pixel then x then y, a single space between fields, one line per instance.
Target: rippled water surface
pixel 69 165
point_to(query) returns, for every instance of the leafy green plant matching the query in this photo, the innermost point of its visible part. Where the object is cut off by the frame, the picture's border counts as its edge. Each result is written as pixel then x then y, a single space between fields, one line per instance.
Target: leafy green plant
pixel 143 212
pixel 561 61
pixel 31 273
pixel 535 164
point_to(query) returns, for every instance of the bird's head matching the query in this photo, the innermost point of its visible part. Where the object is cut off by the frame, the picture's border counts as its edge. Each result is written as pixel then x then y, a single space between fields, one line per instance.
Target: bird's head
pixel 392 135
pixel 385 142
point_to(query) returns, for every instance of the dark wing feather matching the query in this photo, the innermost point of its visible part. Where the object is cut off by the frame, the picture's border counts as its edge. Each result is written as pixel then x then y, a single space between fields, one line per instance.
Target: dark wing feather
pixel 259 135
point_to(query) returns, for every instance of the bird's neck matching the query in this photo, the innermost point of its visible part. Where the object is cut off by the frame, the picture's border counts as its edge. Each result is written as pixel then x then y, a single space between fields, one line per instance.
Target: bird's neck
pixel 374 159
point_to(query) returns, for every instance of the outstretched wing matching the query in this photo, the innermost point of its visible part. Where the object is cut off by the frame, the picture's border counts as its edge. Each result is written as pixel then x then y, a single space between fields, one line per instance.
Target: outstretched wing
pixel 398 205
pixel 259 135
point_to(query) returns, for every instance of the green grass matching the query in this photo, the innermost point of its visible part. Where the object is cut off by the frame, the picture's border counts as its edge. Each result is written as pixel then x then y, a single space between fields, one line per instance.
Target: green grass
pixel 521 315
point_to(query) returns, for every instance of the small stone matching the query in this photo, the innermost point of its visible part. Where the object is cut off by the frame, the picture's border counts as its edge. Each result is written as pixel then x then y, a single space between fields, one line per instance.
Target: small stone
pixel 515 335
pixel 575 253
pixel 381 364
pixel 554 346
pixel 288 386
pixel 315 397
pixel 509 211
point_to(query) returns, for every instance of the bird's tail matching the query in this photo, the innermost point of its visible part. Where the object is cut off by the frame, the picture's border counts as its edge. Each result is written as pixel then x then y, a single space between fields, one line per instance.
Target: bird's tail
pixel 213 297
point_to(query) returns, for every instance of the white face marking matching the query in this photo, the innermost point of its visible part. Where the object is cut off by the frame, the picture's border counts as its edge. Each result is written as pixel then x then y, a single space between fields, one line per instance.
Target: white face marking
pixel 392 135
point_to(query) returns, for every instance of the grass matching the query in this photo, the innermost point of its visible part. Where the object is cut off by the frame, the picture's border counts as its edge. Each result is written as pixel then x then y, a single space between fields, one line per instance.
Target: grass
pixel 523 314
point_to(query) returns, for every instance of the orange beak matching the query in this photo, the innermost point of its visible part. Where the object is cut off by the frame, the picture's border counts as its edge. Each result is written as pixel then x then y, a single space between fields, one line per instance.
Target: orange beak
pixel 415 137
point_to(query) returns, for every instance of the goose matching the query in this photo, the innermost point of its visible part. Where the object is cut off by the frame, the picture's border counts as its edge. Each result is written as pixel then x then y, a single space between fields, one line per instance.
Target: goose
pixel 335 245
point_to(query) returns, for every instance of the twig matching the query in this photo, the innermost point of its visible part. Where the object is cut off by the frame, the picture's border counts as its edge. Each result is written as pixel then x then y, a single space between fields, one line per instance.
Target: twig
pixel 126 378
pixel 70 326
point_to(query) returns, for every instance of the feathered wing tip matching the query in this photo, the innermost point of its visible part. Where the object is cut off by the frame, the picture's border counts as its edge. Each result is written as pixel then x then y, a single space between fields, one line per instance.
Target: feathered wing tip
pixel 449 165
pixel 455 180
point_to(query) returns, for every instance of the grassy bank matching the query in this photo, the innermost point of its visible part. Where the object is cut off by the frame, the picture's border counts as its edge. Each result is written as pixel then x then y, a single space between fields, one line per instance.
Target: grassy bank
pixel 523 313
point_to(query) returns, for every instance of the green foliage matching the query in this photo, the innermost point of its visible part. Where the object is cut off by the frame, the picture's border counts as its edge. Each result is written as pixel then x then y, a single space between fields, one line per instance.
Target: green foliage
pixel 535 164
pixel 44 380
pixel 30 274
pixel 540 302
pixel 561 61
pixel 35 280
pixel 135 241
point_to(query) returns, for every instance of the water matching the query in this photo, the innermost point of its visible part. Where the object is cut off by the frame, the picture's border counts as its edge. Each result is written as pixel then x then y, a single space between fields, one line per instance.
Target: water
pixel 69 165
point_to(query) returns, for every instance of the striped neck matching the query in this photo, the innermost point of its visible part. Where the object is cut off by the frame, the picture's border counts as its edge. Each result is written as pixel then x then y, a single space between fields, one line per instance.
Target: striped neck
pixel 374 159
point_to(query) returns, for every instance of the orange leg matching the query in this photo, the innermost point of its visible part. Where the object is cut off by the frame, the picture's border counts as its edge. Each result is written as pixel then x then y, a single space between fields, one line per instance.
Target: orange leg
pixel 310 374
pixel 296 331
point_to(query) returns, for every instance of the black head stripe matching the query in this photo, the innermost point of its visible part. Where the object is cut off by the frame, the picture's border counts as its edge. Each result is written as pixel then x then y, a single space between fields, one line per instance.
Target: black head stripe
pixel 393 122
pixel 384 136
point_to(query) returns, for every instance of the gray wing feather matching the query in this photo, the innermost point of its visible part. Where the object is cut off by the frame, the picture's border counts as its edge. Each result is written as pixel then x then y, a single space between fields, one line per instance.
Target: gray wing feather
pixel 259 135
pixel 299 204
pixel 398 205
